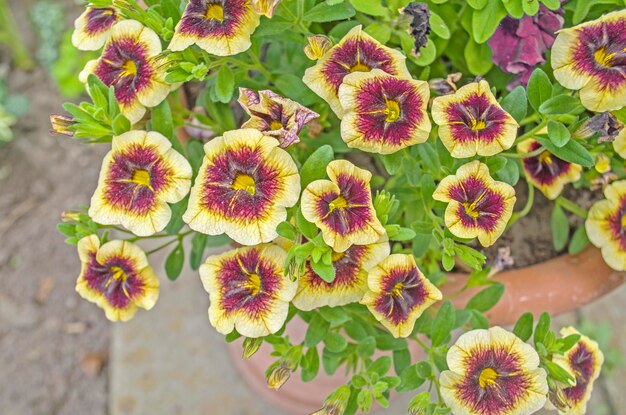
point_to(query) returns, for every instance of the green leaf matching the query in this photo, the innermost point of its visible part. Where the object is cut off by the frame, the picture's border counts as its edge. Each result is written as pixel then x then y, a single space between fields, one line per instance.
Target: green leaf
pixel 174 262
pixel 443 324
pixel 477 4
pixel 401 234
pixel 317 331
pixel 366 347
pixel 176 222
pixel 558 373
pixel 485 21
pixel 371 7
pixel 524 327
pixel 410 380
pixel 487 298
pixel 198 243
pixel 379 31
pixel 120 124
pixel 287 230
pixel 531 7
pixel 428 155
pixel 514 8
pixel 516 103
pixel 314 167
pixel 380 366
pixel 542 328
pixel 427 54
pixel 438 26
pixel 539 88
pixel 326 13
pixel 224 84
pixel 307 228
pixel 334 315
pixel 401 359
pixel 558 133
pixel 572 151
pixel 579 241
pixel 162 120
pixel 310 364
pixel 325 271
pixel 560 228
pixel 560 104
pixel 478 57
pixel 335 342
pixel 412 170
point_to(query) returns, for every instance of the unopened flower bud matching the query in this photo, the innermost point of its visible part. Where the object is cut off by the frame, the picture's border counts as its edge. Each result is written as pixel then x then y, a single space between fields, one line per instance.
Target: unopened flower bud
pixel 317 47
pixel 279 375
pixel 336 402
pixel 265 7
pixel 602 163
pixel 557 398
pixel 70 216
pixel 61 124
pixel 251 346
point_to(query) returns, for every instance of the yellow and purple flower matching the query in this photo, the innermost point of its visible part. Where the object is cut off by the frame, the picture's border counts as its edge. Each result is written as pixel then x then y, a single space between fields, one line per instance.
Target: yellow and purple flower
pixel 356 52
pixel 546 171
pixel 129 64
pixel 472 122
pixel 220 27
pixel 274 115
pixel 606 225
pixel 398 293
pixel 317 46
pixel 619 143
pixel 265 7
pixel 116 277
pixel 478 206
pixel 350 283
pixel 342 207
pixel 93 28
pixel 590 57
pixel 493 372
pixel 244 186
pixel 248 290
pixel 139 177
pixel 584 362
pixel 383 113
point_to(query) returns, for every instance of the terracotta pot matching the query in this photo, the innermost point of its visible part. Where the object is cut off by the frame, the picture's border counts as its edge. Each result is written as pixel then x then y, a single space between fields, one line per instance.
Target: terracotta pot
pixel 557 286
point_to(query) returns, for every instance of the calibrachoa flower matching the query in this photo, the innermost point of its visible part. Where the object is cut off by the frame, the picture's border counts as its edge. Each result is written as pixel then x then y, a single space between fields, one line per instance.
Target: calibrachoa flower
pixel 342 206
pixel 399 293
pixel 383 113
pixel 274 115
pixel 619 143
pixel 350 283
pixel 243 188
pixel 606 225
pixel 591 57
pixel 478 206
pixel 128 63
pixel 93 27
pixel 472 122
pixel 546 171
pixel 317 46
pixel 220 27
pixel 116 277
pixel 583 362
pixel 139 177
pixel 493 372
pixel 248 290
pixel 520 45
pixel 265 7
pixel 356 52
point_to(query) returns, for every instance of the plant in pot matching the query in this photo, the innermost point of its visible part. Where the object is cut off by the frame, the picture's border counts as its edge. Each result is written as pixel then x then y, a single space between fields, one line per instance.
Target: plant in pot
pixel 376 158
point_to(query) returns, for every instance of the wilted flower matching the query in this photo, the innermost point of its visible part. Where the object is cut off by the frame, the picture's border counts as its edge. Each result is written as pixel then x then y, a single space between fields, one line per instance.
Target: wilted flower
pixel 584 361
pixel 518 46
pixel 478 206
pixel 604 123
pixel 356 52
pixel 546 171
pixel 139 177
pixel 342 207
pixel 61 124
pixel 116 277
pixel 279 375
pixel 93 28
pixel 606 225
pixel 128 63
pixel 399 293
pixel 383 113
pixel 317 47
pixel 350 281
pixel 248 290
pixel 590 57
pixel 493 372
pixel 420 25
pixel 265 7
pixel 243 187
pixel 445 86
pixel 503 260
pixel 472 122
pixel 220 27
pixel 336 402
pixel 274 115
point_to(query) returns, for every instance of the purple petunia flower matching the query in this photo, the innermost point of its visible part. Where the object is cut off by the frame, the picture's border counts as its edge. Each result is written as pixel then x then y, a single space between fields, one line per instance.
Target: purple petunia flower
pixel 519 45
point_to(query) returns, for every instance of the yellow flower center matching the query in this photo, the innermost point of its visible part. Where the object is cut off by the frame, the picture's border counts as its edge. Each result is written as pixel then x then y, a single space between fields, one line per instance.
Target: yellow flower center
pixel 392 110
pixel 477 125
pixel 215 11
pixel 545 157
pixel 360 67
pixel 141 177
pixel 487 377
pixel 276 125
pixel 253 284
pixel 336 256
pixel 470 209
pixel 339 203
pixel 397 289
pixel 603 58
pixel 244 182
pixel 129 68
pixel 118 274
pixel 624 221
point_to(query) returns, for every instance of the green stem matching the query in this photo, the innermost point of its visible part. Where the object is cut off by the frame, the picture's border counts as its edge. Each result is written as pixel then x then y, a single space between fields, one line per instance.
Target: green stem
pixel 571 206
pixel 533 153
pixel 11 37
pixel 527 207
pixel 532 131
pixel 165 245
pixel 531 118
